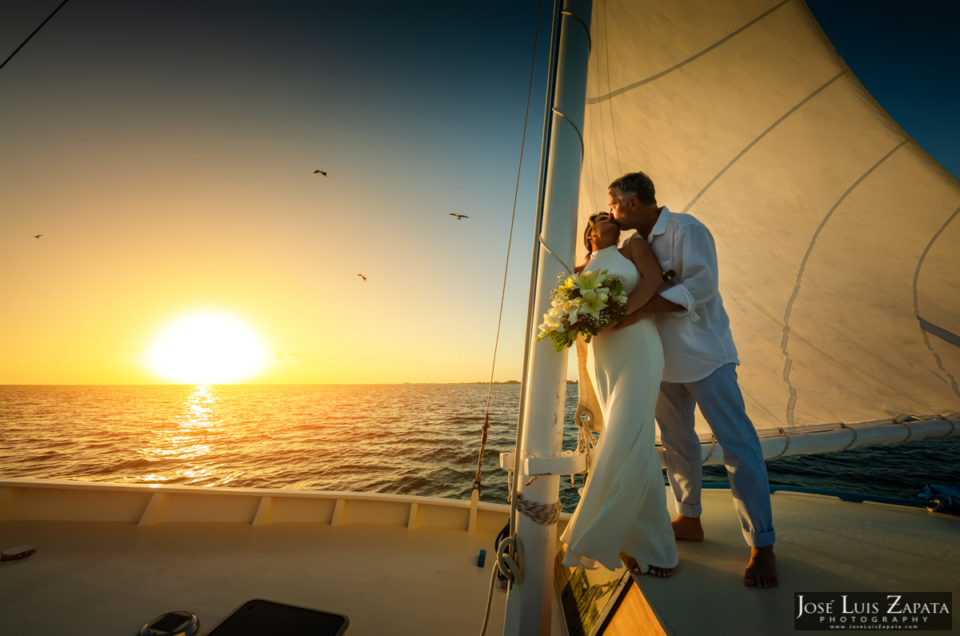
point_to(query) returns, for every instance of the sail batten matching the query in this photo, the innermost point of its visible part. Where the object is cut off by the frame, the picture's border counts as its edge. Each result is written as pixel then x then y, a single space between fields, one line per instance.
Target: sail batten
pixel 835 231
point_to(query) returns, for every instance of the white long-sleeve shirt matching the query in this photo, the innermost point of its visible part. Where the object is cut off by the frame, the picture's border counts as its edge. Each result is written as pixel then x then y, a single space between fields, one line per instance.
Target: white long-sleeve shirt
pixel 696 341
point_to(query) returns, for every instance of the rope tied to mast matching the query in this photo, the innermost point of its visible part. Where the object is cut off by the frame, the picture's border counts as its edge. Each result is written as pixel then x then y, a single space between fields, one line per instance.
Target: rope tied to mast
pixel 543 514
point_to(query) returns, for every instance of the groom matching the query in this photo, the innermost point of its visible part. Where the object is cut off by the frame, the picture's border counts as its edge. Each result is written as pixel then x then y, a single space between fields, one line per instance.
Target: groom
pixel 700 369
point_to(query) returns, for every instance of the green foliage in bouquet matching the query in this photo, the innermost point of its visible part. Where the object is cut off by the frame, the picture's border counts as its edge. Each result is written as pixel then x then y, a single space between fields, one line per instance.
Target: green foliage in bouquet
pixel 582 305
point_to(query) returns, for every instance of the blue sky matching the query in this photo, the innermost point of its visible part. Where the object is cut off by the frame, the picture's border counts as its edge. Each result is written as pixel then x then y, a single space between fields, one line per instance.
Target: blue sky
pixel 907 54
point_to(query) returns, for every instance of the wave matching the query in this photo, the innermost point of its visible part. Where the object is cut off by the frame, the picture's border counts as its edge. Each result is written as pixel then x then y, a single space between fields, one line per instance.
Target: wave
pixel 416 439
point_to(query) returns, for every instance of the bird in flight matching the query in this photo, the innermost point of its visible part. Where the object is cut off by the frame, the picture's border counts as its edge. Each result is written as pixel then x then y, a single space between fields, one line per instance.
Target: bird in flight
pixel 459 216
pixel 37 235
pixel 320 172
pixel 363 277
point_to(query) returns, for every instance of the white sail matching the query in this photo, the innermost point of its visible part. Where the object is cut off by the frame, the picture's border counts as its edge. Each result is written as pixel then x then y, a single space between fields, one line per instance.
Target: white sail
pixel 838 236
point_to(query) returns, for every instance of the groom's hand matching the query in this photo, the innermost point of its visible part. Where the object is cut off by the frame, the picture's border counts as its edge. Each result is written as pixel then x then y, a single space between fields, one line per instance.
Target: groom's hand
pixel 610 326
pixel 628 320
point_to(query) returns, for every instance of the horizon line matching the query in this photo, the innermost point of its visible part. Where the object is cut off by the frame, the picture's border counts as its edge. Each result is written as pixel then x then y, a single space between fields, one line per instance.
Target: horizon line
pixel 485 382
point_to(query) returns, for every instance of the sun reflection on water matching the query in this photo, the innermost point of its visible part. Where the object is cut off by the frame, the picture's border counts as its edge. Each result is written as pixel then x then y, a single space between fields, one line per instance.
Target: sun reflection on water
pixel 189 439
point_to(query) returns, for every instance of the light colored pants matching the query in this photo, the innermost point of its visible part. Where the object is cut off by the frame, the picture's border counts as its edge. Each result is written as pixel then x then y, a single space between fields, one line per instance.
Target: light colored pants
pixel 721 404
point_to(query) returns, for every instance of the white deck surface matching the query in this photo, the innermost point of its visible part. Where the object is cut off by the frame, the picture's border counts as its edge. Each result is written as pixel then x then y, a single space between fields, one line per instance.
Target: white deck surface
pixel 823 545
pixel 111 577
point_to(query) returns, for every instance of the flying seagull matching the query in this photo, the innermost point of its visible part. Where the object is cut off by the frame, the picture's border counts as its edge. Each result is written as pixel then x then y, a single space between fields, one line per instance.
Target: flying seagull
pixel 363 277
pixel 320 172
pixel 459 216
pixel 37 235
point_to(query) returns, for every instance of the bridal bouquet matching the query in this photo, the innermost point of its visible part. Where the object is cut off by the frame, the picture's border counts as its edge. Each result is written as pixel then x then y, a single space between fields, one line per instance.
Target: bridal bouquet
pixel 582 305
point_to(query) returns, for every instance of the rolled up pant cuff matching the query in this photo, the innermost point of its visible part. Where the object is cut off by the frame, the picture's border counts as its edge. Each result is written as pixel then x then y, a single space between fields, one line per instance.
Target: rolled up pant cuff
pixel 689 510
pixel 760 539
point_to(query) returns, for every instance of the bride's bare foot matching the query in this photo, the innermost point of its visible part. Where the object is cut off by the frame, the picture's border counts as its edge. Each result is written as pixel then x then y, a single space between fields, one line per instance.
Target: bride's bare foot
pixel 761 571
pixel 652 570
pixel 687 528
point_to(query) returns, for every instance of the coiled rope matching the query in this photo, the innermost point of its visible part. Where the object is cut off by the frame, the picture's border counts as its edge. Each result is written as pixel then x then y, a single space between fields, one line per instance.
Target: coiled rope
pixel 507 568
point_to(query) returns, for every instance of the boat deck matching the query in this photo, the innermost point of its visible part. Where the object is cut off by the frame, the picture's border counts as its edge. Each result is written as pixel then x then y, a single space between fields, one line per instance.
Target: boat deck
pixel 823 545
pixel 392 565
pixel 111 578
pixel 111 558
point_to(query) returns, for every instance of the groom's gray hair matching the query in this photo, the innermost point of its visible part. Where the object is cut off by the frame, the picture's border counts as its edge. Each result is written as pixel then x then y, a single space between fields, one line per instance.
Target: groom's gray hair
pixel 636 184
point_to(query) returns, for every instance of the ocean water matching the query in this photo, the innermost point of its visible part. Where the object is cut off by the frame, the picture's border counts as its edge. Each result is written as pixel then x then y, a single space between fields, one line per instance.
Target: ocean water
pixel 416 439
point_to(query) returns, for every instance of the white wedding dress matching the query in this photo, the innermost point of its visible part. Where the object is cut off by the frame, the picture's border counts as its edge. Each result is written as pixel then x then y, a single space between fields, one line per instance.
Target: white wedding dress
pixel 623 504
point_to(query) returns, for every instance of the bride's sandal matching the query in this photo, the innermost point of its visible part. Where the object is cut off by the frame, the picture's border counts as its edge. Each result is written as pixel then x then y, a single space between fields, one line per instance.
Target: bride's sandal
pixel 634 567
pixel 660 573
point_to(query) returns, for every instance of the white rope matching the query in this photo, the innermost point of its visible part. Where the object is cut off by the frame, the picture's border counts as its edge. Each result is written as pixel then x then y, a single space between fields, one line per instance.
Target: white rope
pixel 904 422
pixel 855 435
pixel 786 445
pixel 549 251
pixel 953 425
pixel 586 443
pixel 486 613
pixel 510 567
pixel 713 446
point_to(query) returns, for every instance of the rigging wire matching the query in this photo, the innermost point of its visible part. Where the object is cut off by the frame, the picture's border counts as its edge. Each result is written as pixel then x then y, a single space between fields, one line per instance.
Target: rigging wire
pixel 22 44
pixel 509 551
pixel 534 266
pixel 506 267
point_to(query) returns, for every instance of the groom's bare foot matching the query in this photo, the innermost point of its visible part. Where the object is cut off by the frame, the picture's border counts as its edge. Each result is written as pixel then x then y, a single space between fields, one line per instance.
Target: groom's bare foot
pixel 652 570
pixel 761 571
pixel 687 528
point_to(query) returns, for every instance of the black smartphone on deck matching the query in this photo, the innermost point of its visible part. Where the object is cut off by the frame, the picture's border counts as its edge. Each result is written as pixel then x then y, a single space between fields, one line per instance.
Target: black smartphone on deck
pixel 259 617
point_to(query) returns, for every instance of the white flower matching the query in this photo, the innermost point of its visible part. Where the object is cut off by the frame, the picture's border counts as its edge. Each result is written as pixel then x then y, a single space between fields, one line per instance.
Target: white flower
pixel 592 303
pixel 589 279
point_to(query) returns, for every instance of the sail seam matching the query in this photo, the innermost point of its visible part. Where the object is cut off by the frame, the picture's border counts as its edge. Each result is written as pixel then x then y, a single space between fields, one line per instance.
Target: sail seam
pixel 943 334
pixel 753 143
pixel 788 363
pixel 629 87
pixel 927 327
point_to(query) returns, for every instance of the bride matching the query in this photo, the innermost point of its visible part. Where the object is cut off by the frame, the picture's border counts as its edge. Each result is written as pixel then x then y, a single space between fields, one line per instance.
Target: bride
pixel 623 509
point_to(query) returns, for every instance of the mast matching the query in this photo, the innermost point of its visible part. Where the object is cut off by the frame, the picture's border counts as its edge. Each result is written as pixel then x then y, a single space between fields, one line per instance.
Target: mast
pixel 529 600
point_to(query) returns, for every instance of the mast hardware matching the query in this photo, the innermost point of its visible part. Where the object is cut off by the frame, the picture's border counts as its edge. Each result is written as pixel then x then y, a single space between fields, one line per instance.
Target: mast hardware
pixel 569 463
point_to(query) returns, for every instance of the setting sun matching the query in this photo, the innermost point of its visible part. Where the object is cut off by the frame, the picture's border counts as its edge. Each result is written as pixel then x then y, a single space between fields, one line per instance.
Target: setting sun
pixel 207 348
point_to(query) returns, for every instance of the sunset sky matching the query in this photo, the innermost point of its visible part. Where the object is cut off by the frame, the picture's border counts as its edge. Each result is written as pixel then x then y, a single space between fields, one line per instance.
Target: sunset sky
pixel 165 151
